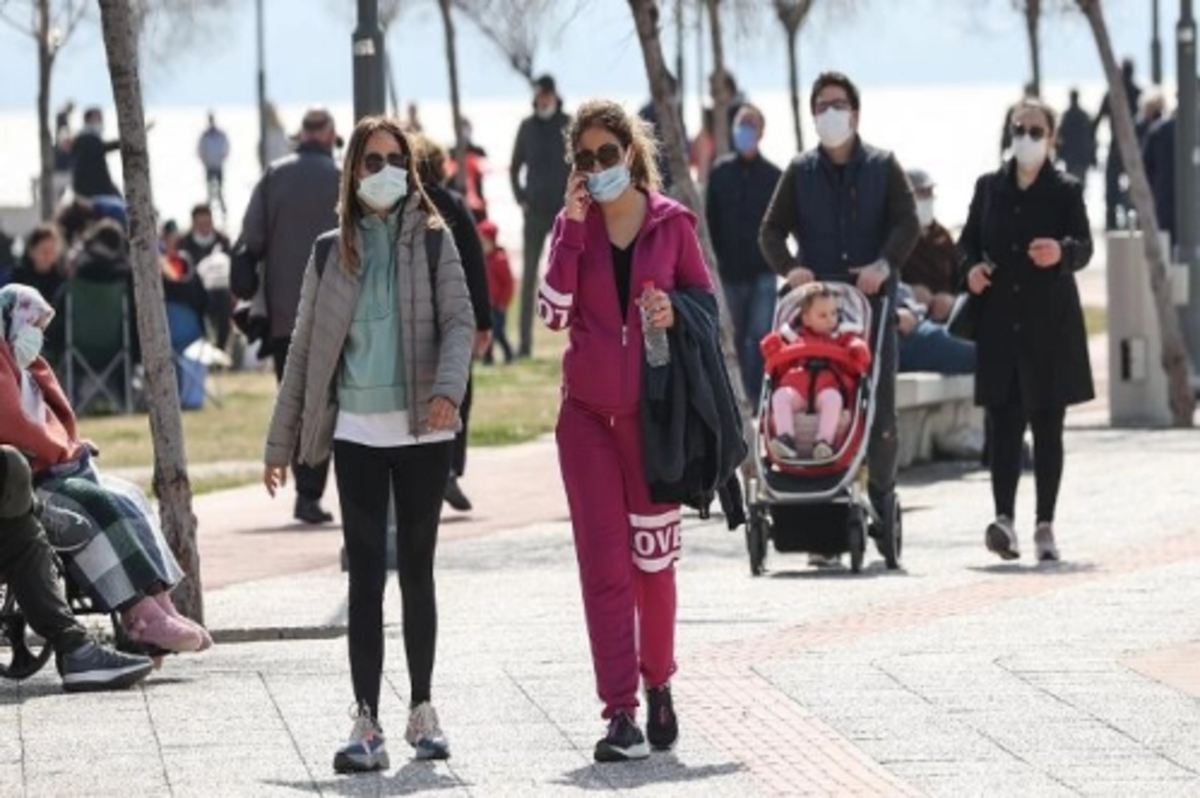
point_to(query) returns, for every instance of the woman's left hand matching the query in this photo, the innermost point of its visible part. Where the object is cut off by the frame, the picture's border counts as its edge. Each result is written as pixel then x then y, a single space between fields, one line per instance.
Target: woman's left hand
pixel 1046 253
pixel 659 312
pixel 443 415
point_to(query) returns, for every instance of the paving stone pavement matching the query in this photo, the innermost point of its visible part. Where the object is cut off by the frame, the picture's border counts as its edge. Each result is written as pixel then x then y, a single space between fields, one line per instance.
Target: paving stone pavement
pixel 957 676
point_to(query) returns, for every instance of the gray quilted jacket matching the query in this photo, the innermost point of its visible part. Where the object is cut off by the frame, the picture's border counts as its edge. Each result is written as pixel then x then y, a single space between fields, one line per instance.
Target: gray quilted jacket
pixel 438 338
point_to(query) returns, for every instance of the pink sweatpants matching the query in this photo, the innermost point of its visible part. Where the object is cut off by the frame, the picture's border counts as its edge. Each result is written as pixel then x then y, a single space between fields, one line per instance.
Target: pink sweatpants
pixel 788 401
pixel 626 547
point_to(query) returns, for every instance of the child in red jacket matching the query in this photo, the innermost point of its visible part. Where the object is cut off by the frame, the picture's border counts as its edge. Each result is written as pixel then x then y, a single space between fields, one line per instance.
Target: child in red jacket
pixel 813 368
pixel 500 288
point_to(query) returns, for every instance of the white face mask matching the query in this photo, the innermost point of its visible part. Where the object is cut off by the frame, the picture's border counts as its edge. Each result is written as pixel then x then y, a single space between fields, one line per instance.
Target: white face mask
pixel 925 211
pixel 204 239
pixel 1030 153
pixel 834 128
pixel 385 188
pixel 27 345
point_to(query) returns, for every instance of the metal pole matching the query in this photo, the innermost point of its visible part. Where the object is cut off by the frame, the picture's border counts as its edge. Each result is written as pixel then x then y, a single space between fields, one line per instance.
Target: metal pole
pixel 367 46
pixel 1155 47
pixel 262 91
pixel 1187 159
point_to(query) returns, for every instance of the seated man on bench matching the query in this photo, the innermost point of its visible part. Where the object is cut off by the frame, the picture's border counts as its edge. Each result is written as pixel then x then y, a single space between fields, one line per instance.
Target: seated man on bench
pixel 30 567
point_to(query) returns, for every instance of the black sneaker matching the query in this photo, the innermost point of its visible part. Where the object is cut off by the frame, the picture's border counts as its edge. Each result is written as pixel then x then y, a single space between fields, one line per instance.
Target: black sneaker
pixel 93 667
pixel 623 742
pixel 455 496
pixel 662 727
pixel 310 511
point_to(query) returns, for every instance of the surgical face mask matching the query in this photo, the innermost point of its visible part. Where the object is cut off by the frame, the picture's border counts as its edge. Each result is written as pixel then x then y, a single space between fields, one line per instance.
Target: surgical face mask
pixel 834 128
pixel 606 186
pixel 546 111
pixel 27 345
pixel 1030 153
pixel 745 138
pixel 925 211
pixel 204 239
pixel 385 188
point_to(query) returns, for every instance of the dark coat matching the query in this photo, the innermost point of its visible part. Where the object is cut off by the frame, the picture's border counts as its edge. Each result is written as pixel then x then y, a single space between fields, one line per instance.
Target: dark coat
pixel 1031 340
pixel 90 176
pixel 692 440
pixel 458 217
pixel 1158 156
pixel 736 199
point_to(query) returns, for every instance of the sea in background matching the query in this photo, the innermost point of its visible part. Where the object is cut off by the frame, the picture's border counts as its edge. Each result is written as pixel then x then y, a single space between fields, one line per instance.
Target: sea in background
pixel 951 131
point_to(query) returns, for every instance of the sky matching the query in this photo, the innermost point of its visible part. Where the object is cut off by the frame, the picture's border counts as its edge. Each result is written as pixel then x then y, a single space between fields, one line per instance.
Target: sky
pixel 884 43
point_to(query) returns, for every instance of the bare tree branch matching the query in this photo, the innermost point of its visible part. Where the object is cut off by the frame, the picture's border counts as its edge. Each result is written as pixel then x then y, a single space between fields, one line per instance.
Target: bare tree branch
pixel 516 26
pixel 167 28
pixel 29 29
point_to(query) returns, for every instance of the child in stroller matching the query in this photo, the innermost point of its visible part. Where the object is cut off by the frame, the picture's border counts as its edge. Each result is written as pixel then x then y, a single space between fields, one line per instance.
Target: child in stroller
pixel 815 367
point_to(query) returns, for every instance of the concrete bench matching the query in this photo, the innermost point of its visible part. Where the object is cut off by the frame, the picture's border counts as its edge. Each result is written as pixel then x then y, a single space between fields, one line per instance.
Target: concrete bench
pixel 929 405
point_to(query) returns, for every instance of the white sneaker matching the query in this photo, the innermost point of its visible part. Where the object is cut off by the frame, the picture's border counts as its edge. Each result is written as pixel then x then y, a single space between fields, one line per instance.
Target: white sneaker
pixel 424 733
pixel 817 560
pixel 1043 539
pixel 1001 538
pixel 366 749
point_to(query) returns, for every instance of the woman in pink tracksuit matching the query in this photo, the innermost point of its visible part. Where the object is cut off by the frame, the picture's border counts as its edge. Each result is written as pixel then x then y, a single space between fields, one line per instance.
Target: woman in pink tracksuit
pixel 616 235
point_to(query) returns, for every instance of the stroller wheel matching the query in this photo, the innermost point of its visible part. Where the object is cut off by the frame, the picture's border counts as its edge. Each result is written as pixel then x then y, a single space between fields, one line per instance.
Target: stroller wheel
pixel 756 540
pixel 26 653
pixel 856 534
pixel 891 534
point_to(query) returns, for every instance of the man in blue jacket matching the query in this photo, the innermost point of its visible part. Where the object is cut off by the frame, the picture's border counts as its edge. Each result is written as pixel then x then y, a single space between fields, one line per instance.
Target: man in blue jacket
pixel 739 191
pixel 850 209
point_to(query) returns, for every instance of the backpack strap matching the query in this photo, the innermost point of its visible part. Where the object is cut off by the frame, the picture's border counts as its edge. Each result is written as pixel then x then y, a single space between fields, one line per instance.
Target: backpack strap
pixel 321 249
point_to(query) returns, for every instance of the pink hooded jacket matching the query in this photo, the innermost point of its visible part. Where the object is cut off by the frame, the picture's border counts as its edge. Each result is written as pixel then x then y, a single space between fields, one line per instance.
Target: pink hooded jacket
pixel 602 366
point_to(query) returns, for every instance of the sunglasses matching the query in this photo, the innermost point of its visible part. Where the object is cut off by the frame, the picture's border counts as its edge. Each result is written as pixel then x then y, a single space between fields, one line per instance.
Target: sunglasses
pixel 608 156
pixel 374 162
pixel 1035 132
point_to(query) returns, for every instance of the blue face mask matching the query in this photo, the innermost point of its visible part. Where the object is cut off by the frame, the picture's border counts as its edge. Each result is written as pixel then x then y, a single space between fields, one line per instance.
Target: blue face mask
pixel 606 186
pixel 745 139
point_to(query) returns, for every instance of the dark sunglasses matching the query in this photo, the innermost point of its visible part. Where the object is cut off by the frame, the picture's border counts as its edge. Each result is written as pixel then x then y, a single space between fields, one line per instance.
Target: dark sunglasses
pixel 608 156
pixel 375 162
pixel 1035 132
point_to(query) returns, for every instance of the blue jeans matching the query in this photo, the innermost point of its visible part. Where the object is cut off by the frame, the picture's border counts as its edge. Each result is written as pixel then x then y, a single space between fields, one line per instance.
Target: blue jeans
pixel 752 308
pixel 930 347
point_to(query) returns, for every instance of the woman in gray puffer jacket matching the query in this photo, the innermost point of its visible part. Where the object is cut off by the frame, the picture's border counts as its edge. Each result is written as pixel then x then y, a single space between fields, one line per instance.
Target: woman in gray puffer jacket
pixel 378 367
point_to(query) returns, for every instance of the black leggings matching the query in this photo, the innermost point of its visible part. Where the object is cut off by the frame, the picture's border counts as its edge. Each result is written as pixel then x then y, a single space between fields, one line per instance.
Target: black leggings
pixel 1006 427
pixel 417 477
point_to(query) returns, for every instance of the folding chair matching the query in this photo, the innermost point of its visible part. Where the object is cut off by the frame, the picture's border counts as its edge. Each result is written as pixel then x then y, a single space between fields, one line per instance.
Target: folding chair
pixel 97 364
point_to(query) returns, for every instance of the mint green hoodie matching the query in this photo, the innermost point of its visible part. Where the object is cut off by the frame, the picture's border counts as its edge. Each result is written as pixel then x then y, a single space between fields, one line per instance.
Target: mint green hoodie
pixel 372 377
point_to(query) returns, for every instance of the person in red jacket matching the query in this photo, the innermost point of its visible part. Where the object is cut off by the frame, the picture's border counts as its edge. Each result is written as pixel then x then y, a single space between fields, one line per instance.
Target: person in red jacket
pixel 617 233
pixel 500 289
pixel 803 384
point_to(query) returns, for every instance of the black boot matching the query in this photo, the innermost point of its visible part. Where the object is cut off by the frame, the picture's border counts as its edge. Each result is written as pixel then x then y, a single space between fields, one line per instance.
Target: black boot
pixel 455 496
pixel 310 511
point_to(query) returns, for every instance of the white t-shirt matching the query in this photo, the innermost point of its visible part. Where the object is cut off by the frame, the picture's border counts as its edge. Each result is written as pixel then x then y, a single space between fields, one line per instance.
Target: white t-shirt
pixel 383 430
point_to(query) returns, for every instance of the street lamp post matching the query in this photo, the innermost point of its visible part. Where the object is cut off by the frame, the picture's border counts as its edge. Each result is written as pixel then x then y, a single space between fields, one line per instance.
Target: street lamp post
pixel 1187 159
pixel 367 42
pixel 262 90
pixel 1155 46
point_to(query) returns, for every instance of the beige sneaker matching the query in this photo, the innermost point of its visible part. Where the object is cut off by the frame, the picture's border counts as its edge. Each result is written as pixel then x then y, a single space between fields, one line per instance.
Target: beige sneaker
pixel 1043 540
pixel 1001 538
pixel 424 733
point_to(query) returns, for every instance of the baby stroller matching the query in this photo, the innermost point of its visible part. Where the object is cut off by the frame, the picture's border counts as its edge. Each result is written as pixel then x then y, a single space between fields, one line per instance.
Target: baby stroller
pixel 822 507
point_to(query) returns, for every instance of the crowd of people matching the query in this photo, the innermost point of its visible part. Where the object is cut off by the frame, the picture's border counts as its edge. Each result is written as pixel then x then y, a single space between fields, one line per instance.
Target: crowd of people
pixel 375 283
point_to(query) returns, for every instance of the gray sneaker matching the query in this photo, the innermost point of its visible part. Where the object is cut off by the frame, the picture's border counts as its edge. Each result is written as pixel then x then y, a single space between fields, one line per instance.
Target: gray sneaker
pixel 424 733
pixel 366 749
pixel 1001 538
pixel 1043 539
pixel 93 667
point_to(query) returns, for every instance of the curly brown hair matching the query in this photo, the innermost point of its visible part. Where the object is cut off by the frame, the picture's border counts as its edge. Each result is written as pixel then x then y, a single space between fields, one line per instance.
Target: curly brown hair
pixel 632 132
pixel 350 208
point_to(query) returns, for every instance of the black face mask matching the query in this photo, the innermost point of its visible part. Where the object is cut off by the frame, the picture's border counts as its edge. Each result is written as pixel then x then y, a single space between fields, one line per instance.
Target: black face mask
pixel 16 484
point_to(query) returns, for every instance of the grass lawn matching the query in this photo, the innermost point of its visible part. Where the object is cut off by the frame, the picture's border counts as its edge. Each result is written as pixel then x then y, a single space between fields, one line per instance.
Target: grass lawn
pixel 513 404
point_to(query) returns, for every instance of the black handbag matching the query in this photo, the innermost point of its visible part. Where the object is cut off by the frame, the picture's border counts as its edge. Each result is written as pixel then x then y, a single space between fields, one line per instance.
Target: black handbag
pixel 244 263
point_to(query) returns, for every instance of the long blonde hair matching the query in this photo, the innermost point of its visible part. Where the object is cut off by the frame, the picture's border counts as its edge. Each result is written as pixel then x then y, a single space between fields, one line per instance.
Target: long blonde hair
pixel 350 208
pixel 634 133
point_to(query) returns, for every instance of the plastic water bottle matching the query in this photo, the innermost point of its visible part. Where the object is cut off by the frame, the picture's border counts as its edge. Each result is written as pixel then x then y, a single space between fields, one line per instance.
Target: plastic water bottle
pixel 658 349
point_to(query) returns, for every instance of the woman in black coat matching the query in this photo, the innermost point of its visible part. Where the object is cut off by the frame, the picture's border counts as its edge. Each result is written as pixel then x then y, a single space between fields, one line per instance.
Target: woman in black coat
pixel 1026 236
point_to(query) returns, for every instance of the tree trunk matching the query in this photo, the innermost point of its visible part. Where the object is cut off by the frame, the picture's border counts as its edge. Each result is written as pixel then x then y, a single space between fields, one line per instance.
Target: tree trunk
pixel 721 96
pixel 646 19
pixel 1174 353
pixel 460 149
pixel 47 198
pixel 1033 17
pixel 793 41
pixel 171 483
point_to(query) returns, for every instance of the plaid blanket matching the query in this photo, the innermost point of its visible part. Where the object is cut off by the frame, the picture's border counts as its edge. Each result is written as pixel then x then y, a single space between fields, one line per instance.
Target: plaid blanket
pixel 127 554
